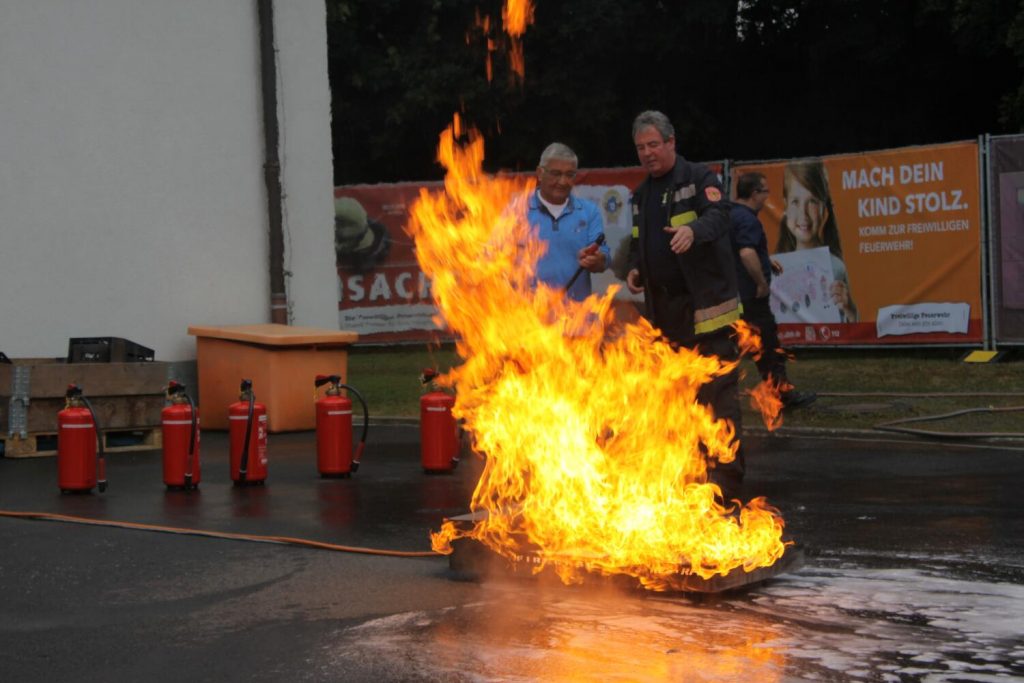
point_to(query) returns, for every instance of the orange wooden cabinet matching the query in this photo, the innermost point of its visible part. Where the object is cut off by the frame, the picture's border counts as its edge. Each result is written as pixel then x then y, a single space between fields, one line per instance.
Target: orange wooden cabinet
pixel 282 362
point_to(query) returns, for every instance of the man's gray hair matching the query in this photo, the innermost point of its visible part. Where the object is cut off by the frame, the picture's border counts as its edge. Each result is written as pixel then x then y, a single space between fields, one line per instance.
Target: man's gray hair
pixel 656 120
pixel 556 150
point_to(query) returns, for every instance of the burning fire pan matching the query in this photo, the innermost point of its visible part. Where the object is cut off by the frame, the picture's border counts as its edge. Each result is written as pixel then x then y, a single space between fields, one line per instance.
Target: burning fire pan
pixel 471 560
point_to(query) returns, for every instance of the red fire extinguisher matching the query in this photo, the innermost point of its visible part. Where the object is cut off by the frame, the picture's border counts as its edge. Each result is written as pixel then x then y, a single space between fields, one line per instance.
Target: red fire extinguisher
pixel 334 428
pixel 78 433
pixel 247 438
pixel 439 433
pixel 180 424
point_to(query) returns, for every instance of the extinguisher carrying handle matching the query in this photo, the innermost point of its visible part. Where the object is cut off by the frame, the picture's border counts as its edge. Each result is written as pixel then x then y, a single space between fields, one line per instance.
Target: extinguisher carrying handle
pixel 366 425
pixel 101 461
pixel 326 379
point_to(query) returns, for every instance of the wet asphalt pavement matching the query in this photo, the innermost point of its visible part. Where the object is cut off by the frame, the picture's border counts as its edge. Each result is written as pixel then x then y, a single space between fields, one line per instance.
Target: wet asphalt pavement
pixel 914 571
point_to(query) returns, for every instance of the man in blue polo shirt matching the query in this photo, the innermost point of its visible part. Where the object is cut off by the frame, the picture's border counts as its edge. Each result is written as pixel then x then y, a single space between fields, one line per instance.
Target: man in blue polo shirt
pixel 754 275
pixel 569 224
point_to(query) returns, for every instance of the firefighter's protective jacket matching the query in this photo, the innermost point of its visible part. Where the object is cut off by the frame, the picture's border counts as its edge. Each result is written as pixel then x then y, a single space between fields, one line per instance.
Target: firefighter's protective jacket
pixel 708 267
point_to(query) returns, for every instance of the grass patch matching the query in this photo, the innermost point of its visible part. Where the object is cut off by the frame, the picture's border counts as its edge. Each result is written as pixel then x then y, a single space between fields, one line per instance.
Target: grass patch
pixel 389 378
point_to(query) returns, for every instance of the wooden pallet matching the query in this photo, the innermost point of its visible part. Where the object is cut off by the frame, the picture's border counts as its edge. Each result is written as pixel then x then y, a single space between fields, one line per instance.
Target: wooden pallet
pixel 36 444
pixel 123 395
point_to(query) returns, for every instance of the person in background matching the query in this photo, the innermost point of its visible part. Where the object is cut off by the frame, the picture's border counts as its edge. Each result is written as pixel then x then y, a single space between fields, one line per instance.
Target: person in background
pixel 809 221
pixel 754 275
pixel 569 224
pixel 681 259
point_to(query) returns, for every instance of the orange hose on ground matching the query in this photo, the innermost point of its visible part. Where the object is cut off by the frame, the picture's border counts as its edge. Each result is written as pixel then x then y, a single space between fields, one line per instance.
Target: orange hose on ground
pixel 53 517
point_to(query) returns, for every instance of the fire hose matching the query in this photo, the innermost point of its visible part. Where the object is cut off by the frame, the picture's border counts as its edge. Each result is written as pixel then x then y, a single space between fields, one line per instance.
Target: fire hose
pixel 896 425
pixel 285 540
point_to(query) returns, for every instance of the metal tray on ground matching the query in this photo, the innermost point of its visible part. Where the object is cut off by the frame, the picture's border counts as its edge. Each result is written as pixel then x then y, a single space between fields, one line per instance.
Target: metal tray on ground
pixel 471 560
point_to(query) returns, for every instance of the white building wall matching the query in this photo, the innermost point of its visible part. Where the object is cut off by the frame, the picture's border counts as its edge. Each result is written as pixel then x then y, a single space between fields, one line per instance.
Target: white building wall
pixel 132 201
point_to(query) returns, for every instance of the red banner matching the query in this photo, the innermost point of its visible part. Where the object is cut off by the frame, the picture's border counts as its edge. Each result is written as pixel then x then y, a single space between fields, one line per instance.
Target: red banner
pixel 383 294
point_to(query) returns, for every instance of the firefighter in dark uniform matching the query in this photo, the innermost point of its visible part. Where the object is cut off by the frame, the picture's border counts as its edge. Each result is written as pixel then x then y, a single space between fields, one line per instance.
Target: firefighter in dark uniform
pixel 681 259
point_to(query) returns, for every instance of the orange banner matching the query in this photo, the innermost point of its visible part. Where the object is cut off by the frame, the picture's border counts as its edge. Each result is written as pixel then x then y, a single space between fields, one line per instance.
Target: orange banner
pixel 876 248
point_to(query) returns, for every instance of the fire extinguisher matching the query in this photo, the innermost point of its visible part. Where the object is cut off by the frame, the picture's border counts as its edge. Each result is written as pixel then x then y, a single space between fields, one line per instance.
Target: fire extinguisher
pixel 180 424
pixel 334 428
pixel 247 420
pixel 78 433
pixel 439 433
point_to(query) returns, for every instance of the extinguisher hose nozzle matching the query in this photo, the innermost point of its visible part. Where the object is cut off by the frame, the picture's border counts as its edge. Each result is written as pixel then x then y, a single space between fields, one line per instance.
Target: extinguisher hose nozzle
pixel 244 464
pixel 579 271
pixel 366 425
pixel 101 461
pixel 101 466
pixel 191 443
pixel 459 442
pixel 358 456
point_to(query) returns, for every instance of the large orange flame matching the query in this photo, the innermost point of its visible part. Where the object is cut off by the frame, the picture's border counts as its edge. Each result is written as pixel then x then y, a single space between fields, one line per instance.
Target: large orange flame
pixel 592 433
pixel 766 397
pixel 484 24
pixel 516 16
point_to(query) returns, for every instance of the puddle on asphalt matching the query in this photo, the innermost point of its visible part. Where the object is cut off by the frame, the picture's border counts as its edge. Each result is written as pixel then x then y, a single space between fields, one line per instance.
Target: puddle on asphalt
pixel 820 623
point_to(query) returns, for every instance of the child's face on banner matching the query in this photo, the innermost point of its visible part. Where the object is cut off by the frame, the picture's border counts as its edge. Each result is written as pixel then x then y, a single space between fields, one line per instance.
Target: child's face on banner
pixel 805 216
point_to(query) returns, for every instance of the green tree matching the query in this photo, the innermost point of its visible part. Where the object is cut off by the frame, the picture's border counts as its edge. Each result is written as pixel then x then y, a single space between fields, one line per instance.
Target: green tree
pixel 849 75
pixel 399 69
pixel 751 79
pixel 993 29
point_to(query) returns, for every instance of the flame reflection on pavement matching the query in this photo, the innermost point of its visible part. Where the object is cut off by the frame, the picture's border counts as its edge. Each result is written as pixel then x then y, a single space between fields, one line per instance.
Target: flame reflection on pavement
pixel 822 623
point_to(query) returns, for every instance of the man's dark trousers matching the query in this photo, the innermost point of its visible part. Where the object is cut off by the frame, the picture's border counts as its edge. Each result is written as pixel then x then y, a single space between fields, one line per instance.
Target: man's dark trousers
pixel 672 315
pixel 772 362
